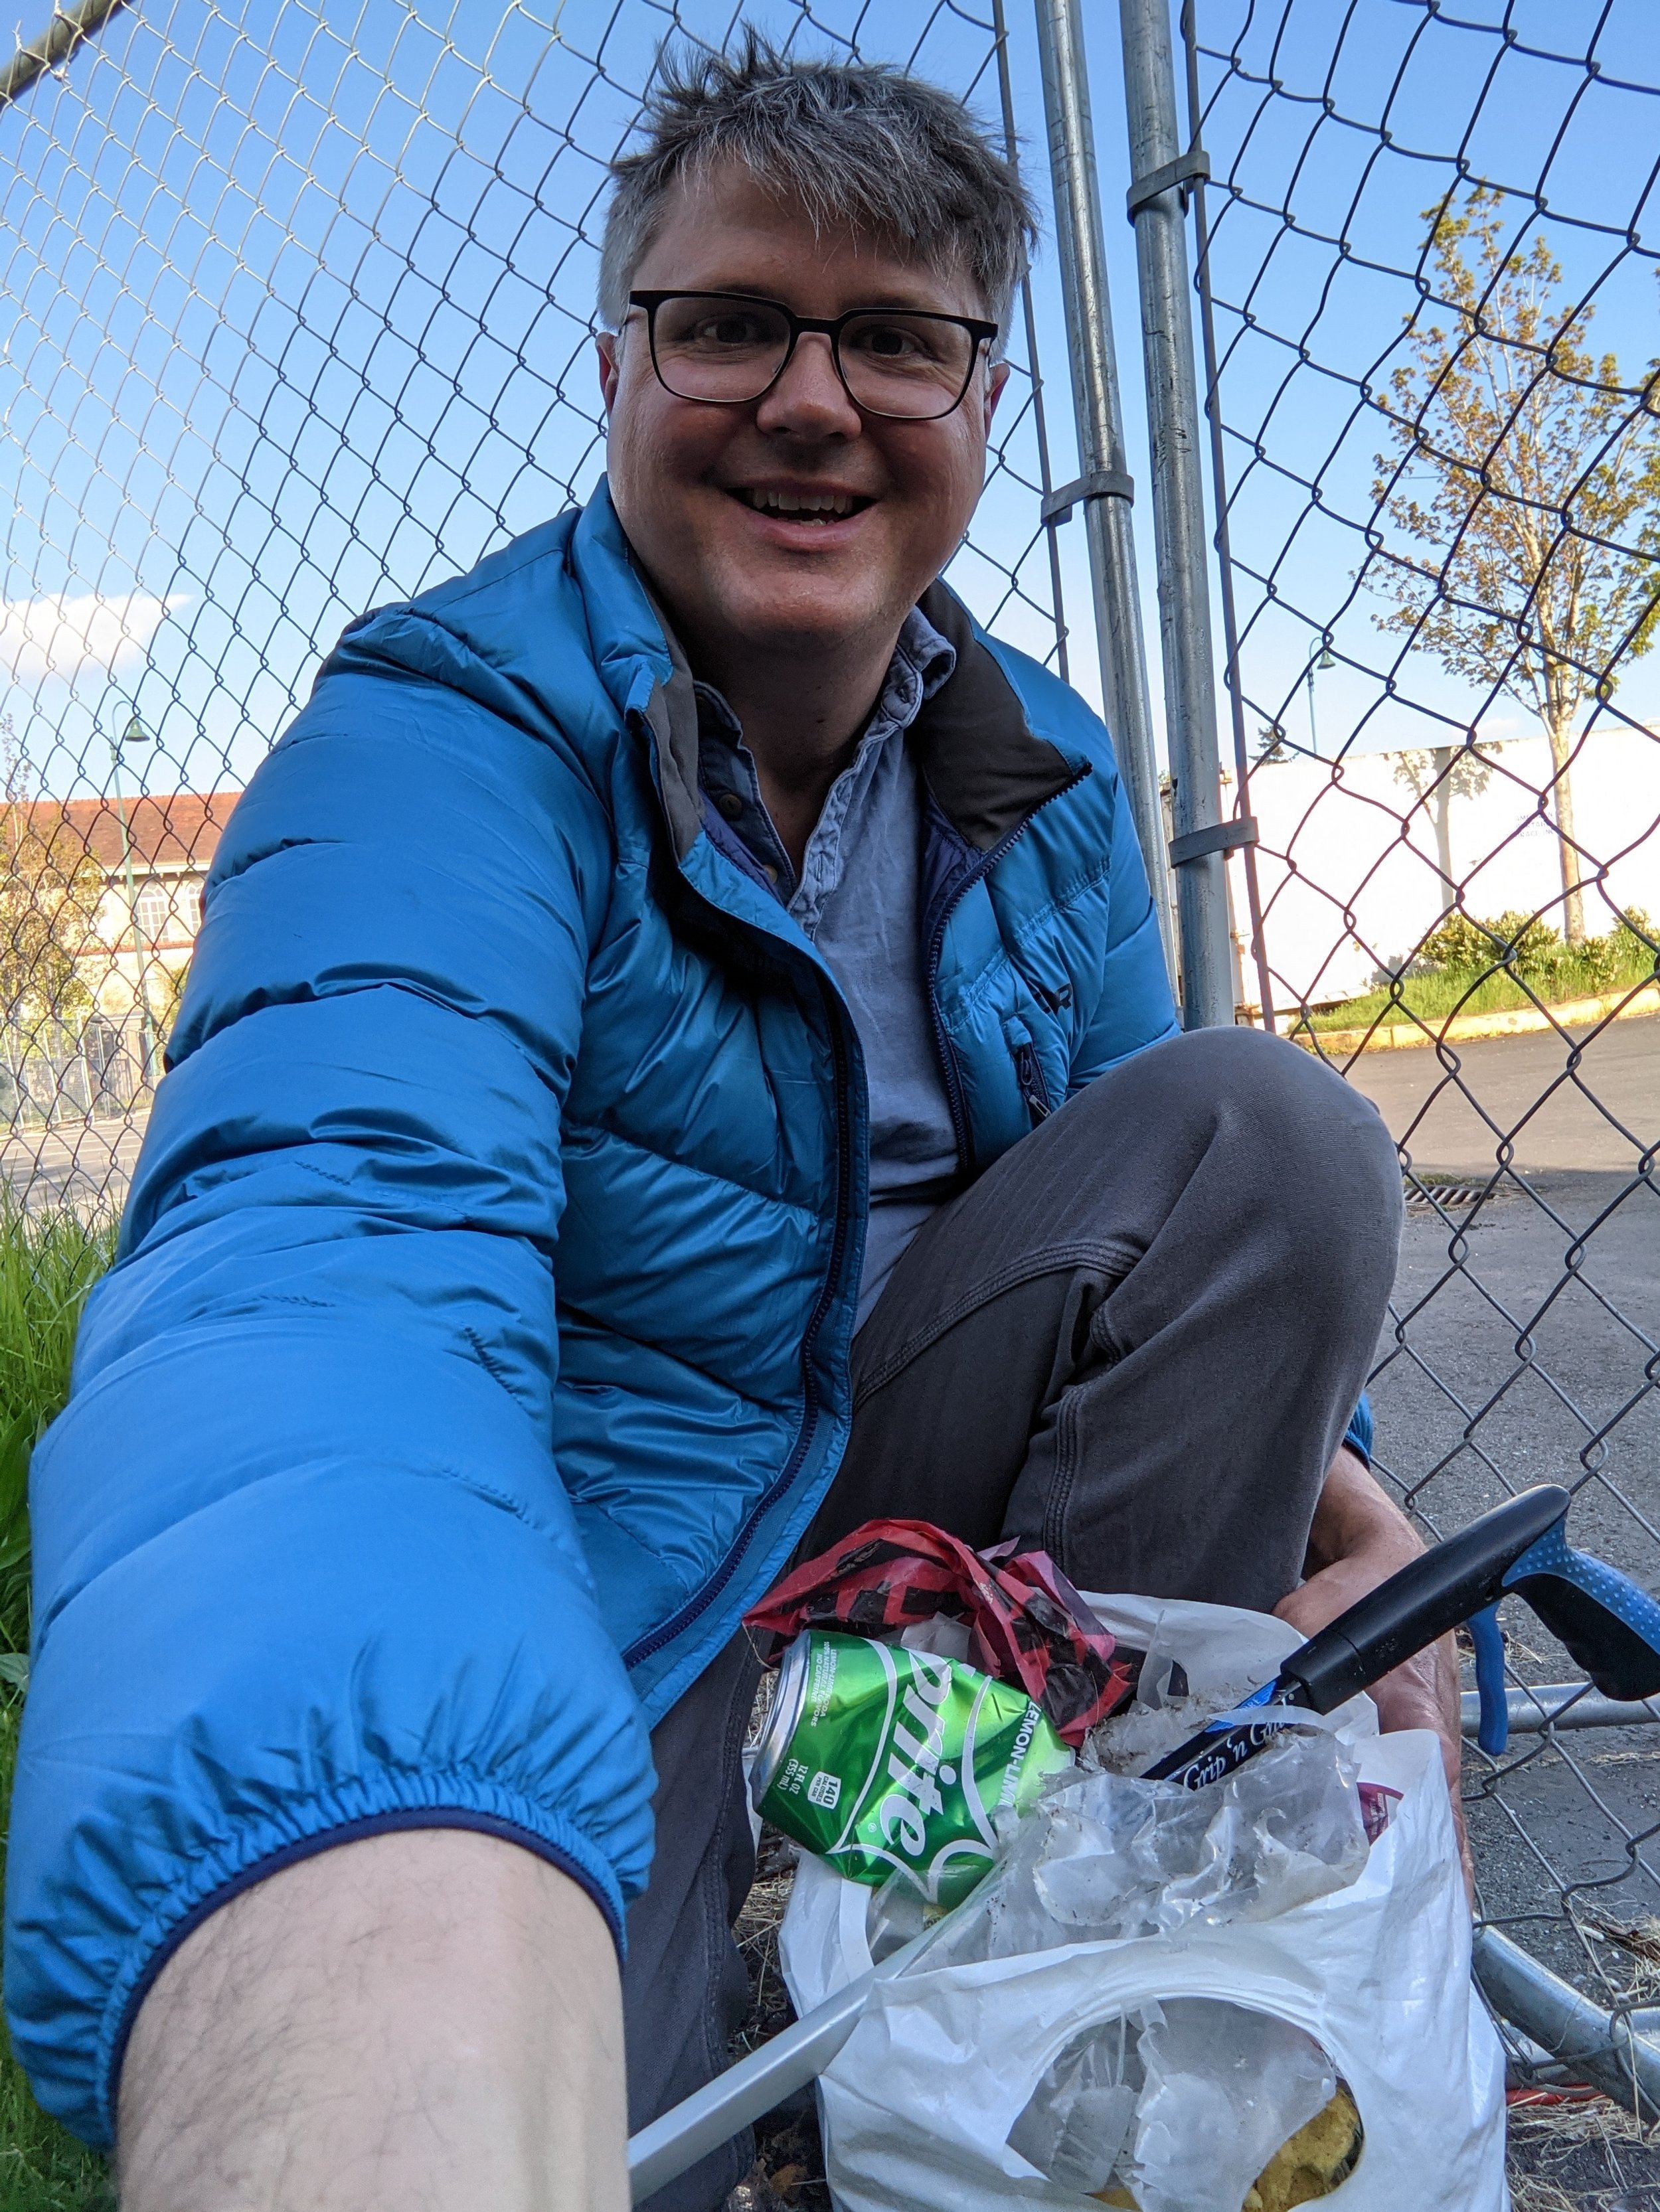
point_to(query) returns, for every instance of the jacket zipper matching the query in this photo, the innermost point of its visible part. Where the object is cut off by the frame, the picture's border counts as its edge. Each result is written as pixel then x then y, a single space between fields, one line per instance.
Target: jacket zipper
pixel 1028 1074
pixel 810 1407
pixel 984 866
pixel 638 1652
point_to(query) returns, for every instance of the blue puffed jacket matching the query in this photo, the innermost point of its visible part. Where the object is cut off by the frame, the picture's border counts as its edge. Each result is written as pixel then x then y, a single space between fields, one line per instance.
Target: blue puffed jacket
pixel 478 1346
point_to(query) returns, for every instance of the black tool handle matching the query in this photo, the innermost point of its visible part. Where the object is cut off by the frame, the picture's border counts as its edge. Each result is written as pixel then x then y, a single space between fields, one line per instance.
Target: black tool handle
pixel 1456 1578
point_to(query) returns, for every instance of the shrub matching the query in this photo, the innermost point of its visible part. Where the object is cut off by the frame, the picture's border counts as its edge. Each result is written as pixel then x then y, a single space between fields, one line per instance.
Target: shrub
pixel 1467 965
pixel 1528 947
pixel 1640 939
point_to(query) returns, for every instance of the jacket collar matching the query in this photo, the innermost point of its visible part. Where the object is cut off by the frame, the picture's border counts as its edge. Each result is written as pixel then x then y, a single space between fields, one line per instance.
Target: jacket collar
pixel 639 660
pixel 980 758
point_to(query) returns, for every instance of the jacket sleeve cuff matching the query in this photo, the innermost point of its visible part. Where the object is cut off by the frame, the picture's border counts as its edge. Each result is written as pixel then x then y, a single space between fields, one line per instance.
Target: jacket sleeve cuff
pixel 338 1645
pixel 1359 1435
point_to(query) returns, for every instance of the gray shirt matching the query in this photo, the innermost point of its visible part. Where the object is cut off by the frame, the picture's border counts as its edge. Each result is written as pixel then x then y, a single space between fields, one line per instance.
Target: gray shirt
pixel 856 900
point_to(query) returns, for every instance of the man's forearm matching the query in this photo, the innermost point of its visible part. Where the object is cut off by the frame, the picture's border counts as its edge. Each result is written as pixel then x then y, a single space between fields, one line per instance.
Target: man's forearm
pixel 420 2022
pixel 1355 1516
pixel 1358 1539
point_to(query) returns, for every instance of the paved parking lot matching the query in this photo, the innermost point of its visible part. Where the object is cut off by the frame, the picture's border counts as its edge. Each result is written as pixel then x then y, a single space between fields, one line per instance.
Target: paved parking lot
pixel 1531 1350
pixel 86 1165
pixel 1593 1103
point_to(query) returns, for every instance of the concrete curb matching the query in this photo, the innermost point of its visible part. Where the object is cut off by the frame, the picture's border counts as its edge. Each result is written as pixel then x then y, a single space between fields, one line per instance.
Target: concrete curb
pixel 1519 1021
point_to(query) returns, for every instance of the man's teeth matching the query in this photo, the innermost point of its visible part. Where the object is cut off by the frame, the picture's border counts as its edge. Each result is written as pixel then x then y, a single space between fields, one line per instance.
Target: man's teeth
pixel 813 503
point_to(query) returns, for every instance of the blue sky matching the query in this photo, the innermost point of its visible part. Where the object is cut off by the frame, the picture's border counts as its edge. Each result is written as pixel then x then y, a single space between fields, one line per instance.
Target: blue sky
pixel 1352 115
pixel 295 307
pixel 294 302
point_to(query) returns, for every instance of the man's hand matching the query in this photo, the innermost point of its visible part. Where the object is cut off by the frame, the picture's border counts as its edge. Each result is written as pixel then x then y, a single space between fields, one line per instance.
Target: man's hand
pixel 1359 1540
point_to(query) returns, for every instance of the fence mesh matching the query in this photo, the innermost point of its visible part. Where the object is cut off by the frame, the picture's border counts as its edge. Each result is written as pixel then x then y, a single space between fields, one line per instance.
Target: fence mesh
pixel 1428 312
pixel 298 320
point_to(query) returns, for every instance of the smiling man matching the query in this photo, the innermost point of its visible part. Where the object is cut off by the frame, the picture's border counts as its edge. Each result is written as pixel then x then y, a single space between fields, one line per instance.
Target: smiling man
pixel 678 1062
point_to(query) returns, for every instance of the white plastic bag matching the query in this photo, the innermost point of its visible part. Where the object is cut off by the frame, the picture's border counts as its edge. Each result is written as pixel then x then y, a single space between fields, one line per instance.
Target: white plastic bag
pixel 918 2106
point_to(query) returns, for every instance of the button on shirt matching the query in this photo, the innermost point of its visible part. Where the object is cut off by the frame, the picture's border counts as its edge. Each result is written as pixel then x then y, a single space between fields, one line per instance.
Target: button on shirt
pixel 856 899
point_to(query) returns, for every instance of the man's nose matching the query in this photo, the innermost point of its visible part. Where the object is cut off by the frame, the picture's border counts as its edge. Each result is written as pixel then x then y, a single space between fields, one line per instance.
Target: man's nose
pixel 809 400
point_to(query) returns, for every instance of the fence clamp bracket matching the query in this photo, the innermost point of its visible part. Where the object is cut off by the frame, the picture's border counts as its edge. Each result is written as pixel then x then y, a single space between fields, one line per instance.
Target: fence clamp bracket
pixel 1098 483
pixel 1192 167
pixel 1220 837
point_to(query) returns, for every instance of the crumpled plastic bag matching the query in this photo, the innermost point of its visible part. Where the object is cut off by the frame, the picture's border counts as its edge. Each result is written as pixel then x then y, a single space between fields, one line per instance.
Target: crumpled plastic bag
pixel 1025 1623
pixel 1079 2122
pixel 918 2105
pixel 1176 2107
pixel 1105 1857
pixel 1165 1712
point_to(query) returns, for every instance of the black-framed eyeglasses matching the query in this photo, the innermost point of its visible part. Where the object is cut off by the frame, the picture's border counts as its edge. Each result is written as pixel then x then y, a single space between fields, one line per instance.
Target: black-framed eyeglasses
pixel 731 348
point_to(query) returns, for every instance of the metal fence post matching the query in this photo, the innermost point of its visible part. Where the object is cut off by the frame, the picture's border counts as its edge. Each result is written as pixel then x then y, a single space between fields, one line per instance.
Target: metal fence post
pixel 1103 488
pixel 68 29
pixel 1198 850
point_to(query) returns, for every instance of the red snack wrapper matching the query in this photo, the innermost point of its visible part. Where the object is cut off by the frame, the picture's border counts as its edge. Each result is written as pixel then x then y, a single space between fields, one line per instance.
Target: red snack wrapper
pixel 1027 1623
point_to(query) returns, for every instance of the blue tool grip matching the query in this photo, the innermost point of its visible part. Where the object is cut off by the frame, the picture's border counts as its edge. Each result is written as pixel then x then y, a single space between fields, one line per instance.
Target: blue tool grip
pixel 1494 1734
pixel 1609 1625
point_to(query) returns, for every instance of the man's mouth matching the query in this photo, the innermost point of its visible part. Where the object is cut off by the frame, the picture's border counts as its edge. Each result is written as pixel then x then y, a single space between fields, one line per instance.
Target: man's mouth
pixel 816 507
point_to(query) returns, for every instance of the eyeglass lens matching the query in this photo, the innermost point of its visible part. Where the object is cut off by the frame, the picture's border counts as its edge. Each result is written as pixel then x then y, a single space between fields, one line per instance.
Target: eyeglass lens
pixel 911 366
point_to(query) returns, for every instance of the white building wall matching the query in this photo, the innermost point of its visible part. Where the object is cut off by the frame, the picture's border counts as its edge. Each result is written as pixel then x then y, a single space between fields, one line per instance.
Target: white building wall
pixel 1347 863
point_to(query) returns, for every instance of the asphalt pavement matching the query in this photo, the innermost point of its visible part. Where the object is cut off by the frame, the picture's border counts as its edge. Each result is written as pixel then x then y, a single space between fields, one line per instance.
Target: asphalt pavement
pixel 1588 1100
pixel 85 1165
pixel 1525 1348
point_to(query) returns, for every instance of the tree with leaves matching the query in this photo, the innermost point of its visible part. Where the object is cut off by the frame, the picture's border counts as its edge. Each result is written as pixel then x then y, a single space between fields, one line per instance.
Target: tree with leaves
pixel 1441 774
pixel 50 888
pixel 1530 472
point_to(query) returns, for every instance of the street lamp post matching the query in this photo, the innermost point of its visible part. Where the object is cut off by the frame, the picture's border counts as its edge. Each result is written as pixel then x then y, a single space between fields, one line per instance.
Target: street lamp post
pixel 1324 662
pixel 133 732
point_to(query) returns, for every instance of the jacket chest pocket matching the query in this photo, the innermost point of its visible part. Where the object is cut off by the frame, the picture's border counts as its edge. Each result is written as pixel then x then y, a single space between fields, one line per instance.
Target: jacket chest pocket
pixel 1029 1076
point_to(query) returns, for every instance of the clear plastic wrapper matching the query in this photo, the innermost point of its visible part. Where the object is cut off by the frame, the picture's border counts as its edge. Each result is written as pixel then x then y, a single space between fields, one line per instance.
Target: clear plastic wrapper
pixel 1079 2126
pixel 1105 1857
pixel 1165 1712
pixel 1176 2107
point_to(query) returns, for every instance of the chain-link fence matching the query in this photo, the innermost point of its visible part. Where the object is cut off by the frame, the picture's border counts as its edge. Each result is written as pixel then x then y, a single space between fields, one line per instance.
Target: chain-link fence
pixel 298 305
pixel 1428 318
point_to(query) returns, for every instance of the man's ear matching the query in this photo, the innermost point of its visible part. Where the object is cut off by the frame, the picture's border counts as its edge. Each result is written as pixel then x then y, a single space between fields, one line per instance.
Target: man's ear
pixel 996 377
pixel 605 343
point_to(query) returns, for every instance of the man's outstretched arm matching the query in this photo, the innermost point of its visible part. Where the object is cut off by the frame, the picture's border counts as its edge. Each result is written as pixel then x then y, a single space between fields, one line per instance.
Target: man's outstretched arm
pixel 305 1569
pixel 421 2022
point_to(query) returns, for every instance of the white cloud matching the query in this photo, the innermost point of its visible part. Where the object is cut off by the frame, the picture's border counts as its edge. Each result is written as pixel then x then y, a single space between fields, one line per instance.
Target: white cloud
pixel 70 635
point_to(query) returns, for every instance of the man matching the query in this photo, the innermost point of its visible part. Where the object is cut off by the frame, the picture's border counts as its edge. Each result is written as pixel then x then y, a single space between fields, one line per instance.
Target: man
pixel 678 1062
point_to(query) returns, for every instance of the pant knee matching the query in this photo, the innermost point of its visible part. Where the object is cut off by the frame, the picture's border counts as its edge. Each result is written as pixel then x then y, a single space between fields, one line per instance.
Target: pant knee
pixel 1292 1138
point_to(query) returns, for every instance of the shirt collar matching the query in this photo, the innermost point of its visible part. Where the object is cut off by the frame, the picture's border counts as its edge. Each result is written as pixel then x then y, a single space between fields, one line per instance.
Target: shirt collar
pixel 931 658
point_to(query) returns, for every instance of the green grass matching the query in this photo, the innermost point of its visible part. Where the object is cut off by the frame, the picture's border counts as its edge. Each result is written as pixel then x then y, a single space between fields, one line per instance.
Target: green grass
pixel 1494 967
pixel 48 1263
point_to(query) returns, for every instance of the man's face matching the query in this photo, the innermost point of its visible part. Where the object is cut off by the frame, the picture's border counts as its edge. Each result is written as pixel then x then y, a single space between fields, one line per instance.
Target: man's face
pixel 684 474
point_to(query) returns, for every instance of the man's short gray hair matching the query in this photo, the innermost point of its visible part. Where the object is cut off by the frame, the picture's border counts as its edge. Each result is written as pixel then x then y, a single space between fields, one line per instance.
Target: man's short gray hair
pixel 856 142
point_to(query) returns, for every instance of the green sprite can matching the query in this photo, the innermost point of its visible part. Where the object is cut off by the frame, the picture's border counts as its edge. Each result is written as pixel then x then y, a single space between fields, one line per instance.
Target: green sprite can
pixel 877 1759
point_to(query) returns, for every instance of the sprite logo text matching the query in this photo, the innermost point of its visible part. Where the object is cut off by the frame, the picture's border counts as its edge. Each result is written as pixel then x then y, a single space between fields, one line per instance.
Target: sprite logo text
pixel 914 1765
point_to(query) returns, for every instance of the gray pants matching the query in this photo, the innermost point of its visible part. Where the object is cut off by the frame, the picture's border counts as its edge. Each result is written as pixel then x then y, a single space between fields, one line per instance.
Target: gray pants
pixel 1136 1341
